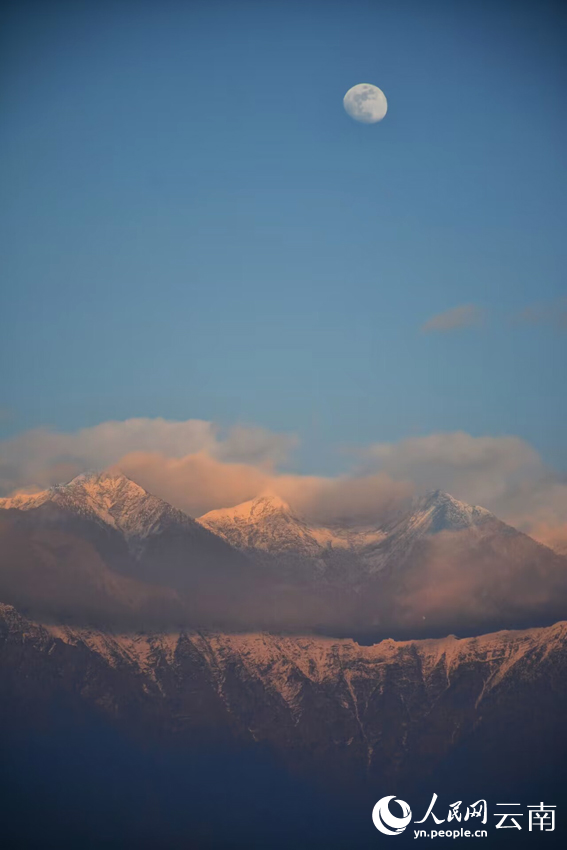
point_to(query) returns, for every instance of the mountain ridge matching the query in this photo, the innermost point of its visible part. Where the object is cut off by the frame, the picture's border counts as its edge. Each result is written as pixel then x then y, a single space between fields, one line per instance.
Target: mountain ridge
pixel 319 703
pixel 236 523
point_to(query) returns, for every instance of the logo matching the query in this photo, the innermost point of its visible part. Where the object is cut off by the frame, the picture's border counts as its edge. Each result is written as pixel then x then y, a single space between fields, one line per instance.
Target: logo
pixel 385 821
pixel 541 818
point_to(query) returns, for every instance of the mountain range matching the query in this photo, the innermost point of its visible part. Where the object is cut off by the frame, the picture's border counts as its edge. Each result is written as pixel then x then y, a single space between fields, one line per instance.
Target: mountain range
pixel 152 664
pixel 103 549
pixel 367 711
pixel 215 739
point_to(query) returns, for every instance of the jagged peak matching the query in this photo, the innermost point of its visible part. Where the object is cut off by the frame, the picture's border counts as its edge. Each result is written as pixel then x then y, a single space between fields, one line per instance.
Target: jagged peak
pixel 448 512
pixel 105 481
pixel 88 475
pixel 105 476
pixel 435 498
pixel 91 481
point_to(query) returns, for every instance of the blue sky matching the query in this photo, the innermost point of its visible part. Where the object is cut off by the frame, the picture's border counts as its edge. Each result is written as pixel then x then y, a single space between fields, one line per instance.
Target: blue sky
pixel 193 227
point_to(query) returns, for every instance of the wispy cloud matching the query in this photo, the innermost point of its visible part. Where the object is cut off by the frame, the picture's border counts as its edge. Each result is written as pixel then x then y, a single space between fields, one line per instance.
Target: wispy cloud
pixel 553 314
pixel 463 316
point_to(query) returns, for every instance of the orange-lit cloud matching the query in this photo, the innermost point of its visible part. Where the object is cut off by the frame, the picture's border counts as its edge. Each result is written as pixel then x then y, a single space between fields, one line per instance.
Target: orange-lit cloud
pixel 197 482
pixel 40 458
pixel 199 467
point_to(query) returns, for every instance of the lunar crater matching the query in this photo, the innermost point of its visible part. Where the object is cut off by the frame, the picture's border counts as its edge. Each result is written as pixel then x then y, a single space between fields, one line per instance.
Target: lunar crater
pixel 365 103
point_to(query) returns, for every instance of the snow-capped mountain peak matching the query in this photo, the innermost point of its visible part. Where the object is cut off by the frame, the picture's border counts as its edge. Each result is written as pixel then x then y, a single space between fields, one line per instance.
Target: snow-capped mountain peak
pixel 440 512
pixel 266 523
pixel 108 496
pixel 269 524
pixel 250 511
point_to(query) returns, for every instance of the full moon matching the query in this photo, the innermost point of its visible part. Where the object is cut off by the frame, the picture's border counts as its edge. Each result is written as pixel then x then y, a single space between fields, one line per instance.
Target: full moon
pixel 365 103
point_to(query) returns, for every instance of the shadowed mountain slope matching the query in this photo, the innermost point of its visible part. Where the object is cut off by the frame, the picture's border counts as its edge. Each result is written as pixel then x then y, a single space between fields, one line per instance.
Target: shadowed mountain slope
pixel 101 546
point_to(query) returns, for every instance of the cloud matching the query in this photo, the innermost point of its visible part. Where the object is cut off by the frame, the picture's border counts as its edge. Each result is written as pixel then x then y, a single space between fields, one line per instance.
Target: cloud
pixel 193 465
pixel 474 469
pixel 452 579
pixel 504 474
pixel 348 498
pixel 461 581
pixel 464 316
pixel 40 458
pixel 199 467
pixel 553 536
pixel 254 445
pixel 553 314
pixel 198 482
pixel 538 506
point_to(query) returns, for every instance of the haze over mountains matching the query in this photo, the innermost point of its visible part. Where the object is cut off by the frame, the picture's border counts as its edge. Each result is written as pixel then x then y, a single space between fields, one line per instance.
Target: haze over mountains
pixel 268 525
pixel 102 549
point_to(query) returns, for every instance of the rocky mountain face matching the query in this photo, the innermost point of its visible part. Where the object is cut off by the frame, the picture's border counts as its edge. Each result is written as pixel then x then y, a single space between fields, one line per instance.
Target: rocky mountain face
pixel 388 713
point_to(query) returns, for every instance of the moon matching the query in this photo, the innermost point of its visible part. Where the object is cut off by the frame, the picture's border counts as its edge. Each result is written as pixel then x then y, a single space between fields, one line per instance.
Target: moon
pixel 365 103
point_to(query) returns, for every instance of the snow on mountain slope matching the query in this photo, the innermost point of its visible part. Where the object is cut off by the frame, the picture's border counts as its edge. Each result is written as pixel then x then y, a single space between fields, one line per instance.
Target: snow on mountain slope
pixel 265 524
pixel 111 498
pixel 392 709
pixel 276 661
pixel 439 511
pixel 432 514
pixel 439 564
pixel 269 524
pixel 342 552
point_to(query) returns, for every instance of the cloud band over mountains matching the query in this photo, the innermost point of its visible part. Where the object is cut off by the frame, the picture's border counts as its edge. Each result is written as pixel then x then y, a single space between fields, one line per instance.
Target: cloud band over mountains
pixel 198 467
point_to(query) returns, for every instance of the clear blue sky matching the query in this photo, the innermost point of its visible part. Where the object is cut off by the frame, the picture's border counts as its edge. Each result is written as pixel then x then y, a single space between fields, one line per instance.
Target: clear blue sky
pixel 193 227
